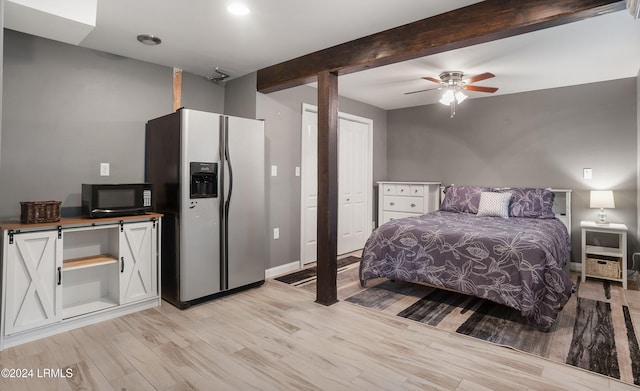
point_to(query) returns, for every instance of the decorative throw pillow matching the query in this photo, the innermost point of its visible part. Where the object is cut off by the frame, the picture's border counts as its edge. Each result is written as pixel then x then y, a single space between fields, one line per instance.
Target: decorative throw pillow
pixel 532 203
pixel 462 198
pixel 494 204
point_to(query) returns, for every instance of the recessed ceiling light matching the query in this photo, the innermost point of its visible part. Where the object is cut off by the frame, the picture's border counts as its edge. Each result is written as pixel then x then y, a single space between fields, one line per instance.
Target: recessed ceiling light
pixel 149 39
pixel 238 9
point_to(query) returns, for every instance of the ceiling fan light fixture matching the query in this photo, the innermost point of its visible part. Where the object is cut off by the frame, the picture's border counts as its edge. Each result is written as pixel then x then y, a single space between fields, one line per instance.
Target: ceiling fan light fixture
pixel 448 97
pixel 453 82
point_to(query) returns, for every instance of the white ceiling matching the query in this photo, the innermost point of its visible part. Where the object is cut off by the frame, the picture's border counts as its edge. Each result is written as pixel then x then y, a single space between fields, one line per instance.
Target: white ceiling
pixel 202 36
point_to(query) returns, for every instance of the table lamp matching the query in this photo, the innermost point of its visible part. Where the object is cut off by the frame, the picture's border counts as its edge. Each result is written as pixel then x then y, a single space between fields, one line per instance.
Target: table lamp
pixel 602 199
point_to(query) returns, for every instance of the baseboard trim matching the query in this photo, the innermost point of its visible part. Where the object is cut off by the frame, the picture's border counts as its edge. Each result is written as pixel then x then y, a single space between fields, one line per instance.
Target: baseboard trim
pixel 286 268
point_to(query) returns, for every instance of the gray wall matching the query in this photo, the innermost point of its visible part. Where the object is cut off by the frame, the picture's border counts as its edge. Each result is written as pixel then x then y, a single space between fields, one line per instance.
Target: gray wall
pixel 67 109
pixel 638 149
pixel 1 66
pixel 240 96
pixel 199 93
pixel 542 138
pixel 282 112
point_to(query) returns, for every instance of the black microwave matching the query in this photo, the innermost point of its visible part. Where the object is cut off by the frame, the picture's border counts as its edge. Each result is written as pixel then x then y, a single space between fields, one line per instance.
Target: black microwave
pixel 107 200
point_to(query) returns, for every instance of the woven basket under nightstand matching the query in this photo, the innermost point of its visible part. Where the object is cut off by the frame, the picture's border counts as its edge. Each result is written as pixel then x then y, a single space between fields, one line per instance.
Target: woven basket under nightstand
pixel 33 212
pixel 603 268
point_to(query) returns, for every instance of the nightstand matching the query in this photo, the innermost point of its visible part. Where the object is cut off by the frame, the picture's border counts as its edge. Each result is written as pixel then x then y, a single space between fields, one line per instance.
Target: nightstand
pixel 609 263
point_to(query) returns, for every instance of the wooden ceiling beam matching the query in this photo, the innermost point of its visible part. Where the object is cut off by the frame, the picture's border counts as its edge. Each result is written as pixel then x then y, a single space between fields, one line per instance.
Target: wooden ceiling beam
pixel 478 23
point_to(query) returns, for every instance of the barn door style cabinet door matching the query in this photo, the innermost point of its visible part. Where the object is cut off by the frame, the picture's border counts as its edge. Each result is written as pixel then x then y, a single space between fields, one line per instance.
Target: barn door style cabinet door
pixel 75 272
pixel 32 280
pixel 137 269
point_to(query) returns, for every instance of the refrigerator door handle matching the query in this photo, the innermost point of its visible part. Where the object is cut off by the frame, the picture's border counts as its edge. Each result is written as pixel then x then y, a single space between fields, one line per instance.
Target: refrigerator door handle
pixel 228 159
pixel 227 203
pixel 224 280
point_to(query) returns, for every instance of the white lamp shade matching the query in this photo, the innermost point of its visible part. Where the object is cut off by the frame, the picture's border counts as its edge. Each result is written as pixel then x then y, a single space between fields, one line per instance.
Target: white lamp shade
pixel 447 98
pixel 460 97
pixel 601 199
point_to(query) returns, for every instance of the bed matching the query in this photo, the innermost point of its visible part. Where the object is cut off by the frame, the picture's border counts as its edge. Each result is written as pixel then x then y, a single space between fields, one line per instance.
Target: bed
pixel 504 245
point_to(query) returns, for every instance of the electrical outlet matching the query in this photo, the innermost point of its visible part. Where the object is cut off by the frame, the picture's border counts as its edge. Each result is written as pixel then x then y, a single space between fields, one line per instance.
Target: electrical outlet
pixel 587 173
pixel 297 171
pixel 274 170
pixel 276 233
pixel 104 169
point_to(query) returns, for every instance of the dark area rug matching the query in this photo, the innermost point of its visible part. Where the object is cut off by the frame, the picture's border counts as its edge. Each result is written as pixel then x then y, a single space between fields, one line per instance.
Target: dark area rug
pixel 594 331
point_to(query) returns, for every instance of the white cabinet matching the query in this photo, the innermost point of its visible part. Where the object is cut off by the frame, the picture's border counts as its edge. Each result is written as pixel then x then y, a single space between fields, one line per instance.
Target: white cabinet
pixel 137 269
pixel 607 262
pixel 405 199
pixel 76 272
pixel 32 281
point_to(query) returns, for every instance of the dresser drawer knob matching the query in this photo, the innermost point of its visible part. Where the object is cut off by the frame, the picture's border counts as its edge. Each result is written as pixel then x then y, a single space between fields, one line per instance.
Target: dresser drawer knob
pixel 392 203
pixel 413 205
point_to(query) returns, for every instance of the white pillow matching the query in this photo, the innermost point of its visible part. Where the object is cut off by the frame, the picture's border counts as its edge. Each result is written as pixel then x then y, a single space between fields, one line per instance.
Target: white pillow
pixel 494 204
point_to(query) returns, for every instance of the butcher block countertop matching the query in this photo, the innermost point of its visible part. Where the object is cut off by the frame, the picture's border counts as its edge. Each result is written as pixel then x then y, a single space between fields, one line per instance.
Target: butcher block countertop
pixel 80 220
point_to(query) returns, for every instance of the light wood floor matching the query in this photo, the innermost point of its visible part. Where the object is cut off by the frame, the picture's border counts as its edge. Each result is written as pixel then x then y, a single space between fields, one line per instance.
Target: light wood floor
pixel 276 338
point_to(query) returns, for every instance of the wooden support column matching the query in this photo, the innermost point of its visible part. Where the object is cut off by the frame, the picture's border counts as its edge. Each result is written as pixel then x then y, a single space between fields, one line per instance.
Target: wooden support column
pixel 327 290
pixel 177 88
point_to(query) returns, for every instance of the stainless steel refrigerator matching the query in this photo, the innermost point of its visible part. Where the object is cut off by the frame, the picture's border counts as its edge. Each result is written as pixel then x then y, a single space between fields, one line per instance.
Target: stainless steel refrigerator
pixel 208 177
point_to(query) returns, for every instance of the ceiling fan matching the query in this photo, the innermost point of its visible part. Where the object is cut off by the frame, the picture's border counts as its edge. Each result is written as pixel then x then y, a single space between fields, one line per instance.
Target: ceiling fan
pixel 453 82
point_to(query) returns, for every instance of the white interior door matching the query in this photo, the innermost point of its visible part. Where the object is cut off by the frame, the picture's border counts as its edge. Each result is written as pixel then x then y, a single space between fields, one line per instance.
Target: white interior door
pixel 355 171
pixel 352 173
pixel 309 187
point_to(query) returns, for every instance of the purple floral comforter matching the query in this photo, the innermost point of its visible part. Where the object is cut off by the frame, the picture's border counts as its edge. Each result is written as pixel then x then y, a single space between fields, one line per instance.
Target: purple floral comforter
pixel 517 261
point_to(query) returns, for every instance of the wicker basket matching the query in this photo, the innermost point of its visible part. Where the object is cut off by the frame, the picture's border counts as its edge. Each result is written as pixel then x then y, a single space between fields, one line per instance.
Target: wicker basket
pixel 33 212
pixel 604 268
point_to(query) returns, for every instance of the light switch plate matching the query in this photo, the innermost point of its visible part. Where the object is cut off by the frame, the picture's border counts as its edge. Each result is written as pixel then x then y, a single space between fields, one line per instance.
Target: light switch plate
pixel 587 173
pixel 104 169
pixel 276 233
pixel 274 170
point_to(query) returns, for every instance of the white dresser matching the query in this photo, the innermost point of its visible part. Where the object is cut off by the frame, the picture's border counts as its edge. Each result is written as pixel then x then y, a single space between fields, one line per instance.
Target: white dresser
pixel 405 199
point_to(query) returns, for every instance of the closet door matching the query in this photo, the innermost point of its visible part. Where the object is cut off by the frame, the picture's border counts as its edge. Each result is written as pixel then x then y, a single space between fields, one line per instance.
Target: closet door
pixel 355 185
pixel 352 203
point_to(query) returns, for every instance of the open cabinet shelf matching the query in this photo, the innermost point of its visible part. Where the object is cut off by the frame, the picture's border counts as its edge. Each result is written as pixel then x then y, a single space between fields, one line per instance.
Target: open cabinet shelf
pixel 92 305
pixel 82 262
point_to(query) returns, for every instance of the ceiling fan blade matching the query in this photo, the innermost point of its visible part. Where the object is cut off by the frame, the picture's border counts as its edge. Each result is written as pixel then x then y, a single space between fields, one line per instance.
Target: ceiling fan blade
pixel 433 79
pixel 480 88
pixel 428 89
pixel 482 76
